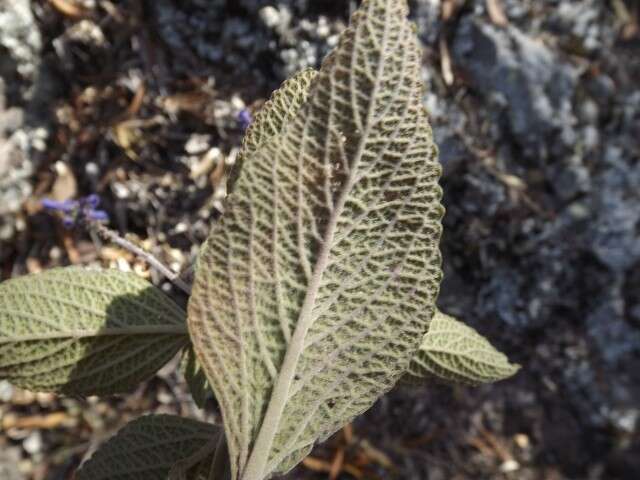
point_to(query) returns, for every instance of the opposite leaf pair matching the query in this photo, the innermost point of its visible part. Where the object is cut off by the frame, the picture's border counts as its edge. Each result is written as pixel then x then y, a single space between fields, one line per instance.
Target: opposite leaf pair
pixel 91 332
pixel 86 332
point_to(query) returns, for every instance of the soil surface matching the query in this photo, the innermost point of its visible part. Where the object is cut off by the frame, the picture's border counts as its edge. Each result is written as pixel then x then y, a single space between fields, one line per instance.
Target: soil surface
pixel 535 106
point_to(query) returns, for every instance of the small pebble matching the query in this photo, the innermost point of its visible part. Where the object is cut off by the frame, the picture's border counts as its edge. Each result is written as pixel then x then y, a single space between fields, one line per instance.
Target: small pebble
pixel 33 443
pixel 270 16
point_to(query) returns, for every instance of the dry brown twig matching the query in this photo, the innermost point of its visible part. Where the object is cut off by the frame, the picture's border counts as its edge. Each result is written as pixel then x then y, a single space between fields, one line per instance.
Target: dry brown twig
pixel 114 237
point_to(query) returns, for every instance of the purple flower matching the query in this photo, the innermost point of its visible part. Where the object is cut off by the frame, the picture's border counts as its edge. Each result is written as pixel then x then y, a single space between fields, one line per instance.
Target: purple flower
pixel 64 206
pixel 98 215
pixel 245 119
pixel 93 200
pixel 77 211
pixel 68 222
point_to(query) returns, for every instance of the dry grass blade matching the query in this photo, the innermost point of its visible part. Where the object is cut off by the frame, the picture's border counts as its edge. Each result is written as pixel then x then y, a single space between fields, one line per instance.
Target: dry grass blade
pixel 496 13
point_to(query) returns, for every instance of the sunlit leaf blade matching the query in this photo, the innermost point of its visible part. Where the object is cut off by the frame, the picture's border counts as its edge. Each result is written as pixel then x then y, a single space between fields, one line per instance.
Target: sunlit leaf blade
pixel 150 447
pixel 454 352
pixel 280 109
pixel 315 289
pixel 85 332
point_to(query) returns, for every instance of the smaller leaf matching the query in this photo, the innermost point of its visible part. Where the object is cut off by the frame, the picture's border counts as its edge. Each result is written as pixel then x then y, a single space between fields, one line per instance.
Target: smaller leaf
pixel 86 332
pixel 454 352
pixel 150 447
pixel 195 377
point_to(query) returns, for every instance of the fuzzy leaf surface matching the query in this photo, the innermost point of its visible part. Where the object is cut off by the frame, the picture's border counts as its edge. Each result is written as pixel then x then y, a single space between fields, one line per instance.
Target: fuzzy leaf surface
pixel 280 109
pixel 150 447
pixel 455 353
pixel 85 332
pixel 315 289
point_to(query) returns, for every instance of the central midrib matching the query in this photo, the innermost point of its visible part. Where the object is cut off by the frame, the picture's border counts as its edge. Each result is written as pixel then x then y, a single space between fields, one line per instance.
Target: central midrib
pixel 256 465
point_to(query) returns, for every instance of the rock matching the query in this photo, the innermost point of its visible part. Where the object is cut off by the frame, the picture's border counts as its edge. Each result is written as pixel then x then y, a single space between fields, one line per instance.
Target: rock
pixel 26 89
pixel 582 21
pixel 6 391
pixel 503 296
pixel 615 338
pixel 20 45
pixel 521 76
pixel 33 443
pixel 15 167
pixel 451 149
pixel 270 16
pixel 570 179
pixel 614 235
pixel 262 44
pixel 9 466
pixel 427 16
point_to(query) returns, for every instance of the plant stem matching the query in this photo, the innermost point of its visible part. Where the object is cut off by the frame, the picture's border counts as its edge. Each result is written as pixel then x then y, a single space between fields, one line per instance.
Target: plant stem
pixel 141 253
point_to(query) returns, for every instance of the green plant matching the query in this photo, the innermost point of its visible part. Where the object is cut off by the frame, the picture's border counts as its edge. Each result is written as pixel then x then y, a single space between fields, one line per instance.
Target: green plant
pixel 313 296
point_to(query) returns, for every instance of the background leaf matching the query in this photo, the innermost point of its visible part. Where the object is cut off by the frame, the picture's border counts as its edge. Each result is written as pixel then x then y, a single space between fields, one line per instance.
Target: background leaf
pixel 149 447
pixel 316 287
pixel 195 377
pixel 85 332
pixel 454 352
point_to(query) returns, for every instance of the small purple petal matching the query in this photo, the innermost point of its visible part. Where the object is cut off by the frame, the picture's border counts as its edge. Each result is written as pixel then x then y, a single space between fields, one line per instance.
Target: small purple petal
pixel 68 222
pixel 93 200
pixel 65 206
pixel 99 215
pixel 245 119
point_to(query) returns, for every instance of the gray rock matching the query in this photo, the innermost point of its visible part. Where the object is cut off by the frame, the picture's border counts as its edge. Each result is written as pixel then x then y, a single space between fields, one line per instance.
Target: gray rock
pixel 570 180
pixel 582 20
pixel 20 45
pixel 614 230
pixel 521 76
pixel 614 337
pixel 427 16
pixel 23 101
pixel 261 43
pixel 9 466
pixel 15 169
pixel 503 295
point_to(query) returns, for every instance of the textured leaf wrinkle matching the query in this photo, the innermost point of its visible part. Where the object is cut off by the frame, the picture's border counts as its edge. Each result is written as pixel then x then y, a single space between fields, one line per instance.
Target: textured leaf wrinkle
pixel 453 352
pixel 85 332
pixel 342 209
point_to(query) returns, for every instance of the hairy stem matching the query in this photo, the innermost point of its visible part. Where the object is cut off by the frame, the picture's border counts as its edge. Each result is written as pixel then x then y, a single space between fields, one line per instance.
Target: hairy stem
pixel 141 253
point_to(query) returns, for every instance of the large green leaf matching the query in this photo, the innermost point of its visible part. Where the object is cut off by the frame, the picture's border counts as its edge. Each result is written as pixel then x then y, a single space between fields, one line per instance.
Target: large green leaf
pixel 454 352
pixel 157 447
pixel 85 332
pixel 315 289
